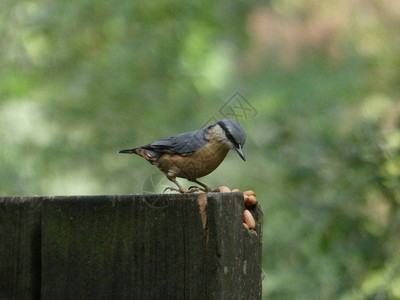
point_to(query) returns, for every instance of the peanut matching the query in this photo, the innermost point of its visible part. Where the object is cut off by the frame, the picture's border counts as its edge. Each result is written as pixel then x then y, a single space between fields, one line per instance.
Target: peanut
pixel 249 219
pixel 250 200
pixel 224 189
pixel 249 193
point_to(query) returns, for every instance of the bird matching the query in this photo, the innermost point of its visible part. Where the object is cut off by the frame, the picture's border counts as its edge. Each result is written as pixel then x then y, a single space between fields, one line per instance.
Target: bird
pixel 194 154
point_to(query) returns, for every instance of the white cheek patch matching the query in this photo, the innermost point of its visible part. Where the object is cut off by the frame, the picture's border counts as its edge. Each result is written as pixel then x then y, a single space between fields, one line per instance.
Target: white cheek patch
pixel 231 146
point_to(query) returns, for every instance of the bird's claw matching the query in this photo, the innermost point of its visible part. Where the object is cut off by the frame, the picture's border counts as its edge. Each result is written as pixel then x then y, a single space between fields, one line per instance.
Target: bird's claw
pixel 204 189
pixel 171 188
pixel 194 189
pixel 191 189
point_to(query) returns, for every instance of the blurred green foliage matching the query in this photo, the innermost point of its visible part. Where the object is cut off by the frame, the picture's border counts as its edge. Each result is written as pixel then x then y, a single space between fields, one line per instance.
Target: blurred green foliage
pixel 80 80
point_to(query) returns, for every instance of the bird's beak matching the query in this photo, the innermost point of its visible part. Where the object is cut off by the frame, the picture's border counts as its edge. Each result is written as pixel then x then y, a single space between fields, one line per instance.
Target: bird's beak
pixel 239 150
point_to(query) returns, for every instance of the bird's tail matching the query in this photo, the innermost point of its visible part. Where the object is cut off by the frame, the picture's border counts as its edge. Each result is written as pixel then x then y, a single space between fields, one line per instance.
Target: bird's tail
pixel 150 156
pixel 128 151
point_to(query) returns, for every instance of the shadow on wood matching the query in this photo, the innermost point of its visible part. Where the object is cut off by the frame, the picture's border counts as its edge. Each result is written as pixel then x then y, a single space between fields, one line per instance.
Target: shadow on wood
pixel 129 247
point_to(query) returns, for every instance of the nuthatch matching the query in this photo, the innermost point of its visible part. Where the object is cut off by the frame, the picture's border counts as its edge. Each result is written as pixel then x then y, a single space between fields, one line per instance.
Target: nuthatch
pixel 194 154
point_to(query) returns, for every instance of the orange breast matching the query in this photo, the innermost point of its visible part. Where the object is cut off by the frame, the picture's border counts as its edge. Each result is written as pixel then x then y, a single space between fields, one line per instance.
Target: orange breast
pixel 194 165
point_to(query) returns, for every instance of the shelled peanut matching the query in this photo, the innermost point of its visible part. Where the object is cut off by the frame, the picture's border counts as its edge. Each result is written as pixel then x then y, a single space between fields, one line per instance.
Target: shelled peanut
pixel 250 199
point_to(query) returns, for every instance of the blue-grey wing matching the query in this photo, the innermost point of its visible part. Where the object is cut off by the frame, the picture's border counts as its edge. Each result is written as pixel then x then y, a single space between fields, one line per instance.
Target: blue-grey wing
pixel 184 143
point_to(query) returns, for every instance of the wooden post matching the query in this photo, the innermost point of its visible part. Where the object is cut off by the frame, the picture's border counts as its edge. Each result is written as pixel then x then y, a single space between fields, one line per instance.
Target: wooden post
pixel 138 247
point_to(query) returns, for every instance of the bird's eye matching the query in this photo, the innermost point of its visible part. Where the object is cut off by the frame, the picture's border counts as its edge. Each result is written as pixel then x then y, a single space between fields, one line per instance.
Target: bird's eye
pixel 230 138
pixel 229 135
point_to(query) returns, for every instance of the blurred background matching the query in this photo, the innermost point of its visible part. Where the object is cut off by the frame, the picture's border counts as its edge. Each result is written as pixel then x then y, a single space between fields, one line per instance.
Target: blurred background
pixel 319 87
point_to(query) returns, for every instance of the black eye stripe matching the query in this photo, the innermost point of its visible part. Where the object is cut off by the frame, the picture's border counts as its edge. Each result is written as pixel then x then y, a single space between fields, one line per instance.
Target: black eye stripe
pixel 229 135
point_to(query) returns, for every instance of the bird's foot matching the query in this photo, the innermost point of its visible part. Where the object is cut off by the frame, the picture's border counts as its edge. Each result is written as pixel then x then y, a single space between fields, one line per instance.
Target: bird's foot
pixel 203 189
pixel 171 188
pixel 182 190
pixel 194 189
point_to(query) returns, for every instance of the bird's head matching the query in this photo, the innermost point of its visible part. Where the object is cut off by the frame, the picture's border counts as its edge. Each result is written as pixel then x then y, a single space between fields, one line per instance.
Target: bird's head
pixel 232 135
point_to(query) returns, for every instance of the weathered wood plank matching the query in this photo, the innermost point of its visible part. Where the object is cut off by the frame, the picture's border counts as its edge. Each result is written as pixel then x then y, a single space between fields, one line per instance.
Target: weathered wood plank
pixel 233 252
pixel 20 230
pixel 121 248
